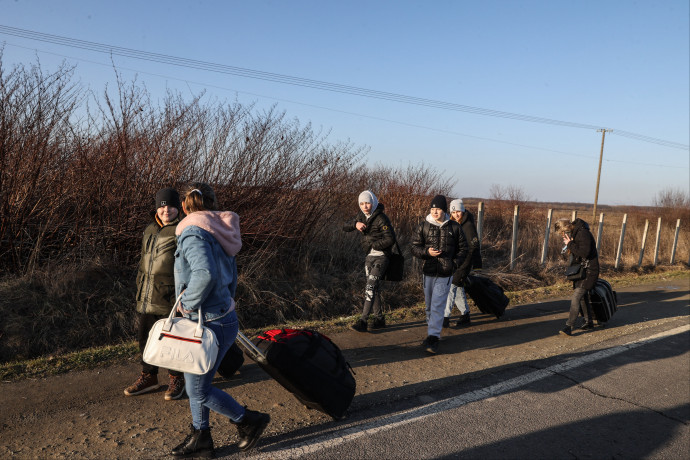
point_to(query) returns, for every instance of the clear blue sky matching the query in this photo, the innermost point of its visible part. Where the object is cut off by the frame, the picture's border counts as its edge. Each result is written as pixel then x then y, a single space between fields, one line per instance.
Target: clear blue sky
pixel 618 64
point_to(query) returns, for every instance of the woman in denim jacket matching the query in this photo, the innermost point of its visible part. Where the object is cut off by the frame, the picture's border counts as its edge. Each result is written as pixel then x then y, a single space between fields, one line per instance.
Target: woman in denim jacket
pixel 206 275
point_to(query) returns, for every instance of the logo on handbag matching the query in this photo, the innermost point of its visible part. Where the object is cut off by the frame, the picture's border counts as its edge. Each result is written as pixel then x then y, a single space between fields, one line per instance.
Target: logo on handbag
pixel 175 354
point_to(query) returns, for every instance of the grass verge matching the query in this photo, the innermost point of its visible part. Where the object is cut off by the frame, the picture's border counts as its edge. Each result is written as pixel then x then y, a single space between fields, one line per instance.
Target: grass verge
pixel 92 358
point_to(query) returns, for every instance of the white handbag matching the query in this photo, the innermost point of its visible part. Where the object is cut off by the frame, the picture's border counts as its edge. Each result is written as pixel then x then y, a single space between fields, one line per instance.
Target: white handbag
pixel 181 344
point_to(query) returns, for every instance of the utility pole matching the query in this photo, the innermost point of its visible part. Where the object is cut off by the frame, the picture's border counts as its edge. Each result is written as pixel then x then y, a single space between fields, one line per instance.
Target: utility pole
pixel 601 155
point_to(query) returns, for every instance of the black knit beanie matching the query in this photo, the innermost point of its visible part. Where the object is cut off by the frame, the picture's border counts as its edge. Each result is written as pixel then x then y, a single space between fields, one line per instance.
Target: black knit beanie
pixel 168 197
pixel 439 201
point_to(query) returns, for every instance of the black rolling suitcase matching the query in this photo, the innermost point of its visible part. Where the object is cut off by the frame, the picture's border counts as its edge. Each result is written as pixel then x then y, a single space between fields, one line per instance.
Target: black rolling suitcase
pixel 603 300
pixel 487 295
pixel 232 361
pixel 308 364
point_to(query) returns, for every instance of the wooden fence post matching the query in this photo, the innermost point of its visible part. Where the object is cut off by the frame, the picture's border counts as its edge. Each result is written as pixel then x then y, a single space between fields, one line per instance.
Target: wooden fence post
pixel 545 249
pixel 675 242
pixel 480 222
pixel 574 216
pixel 601 229
pixel 620 242
pixel 513 249
pixel 656 246
pixel 644 240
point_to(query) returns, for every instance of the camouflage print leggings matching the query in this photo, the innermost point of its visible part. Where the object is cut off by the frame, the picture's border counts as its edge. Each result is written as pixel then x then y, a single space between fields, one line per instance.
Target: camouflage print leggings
pixel 374 268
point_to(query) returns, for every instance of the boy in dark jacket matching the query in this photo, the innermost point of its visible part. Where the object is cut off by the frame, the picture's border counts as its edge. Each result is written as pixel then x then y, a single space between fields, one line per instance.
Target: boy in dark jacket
pixel 377 241
pixel 473 261
pixel 440 242
pixel 579 242
pixel 156 288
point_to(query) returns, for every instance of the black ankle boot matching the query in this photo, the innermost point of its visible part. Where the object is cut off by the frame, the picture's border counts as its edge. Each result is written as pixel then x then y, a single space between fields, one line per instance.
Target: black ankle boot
pixel 198 443
pixel 251 427
pixel 464 320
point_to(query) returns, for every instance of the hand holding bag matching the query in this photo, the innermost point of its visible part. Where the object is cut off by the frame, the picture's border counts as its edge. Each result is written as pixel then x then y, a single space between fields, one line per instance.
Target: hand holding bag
pixel 396 265
pixel 181 344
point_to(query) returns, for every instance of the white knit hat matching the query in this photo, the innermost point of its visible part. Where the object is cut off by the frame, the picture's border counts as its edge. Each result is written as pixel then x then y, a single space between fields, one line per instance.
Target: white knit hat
pixel 457 205
pixel 368 196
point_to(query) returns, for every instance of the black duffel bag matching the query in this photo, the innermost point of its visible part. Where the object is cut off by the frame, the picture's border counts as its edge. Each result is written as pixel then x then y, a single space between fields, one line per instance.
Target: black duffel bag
pixel 396 265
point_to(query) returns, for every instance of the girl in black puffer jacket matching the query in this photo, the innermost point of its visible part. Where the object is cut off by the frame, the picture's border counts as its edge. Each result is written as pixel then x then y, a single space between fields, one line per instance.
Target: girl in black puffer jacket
pixel 378 239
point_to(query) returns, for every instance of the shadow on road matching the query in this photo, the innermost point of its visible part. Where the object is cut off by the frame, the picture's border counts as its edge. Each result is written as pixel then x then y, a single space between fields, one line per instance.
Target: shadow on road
pixel 589 438
pixel 488 333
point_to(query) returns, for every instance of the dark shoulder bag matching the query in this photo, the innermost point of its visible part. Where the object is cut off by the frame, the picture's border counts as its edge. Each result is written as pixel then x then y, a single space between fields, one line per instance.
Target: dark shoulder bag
pixel 577 272
pixel 396 265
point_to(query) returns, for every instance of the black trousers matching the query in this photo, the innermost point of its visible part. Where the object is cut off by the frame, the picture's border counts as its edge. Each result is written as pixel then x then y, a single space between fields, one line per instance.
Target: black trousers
pixel 146 321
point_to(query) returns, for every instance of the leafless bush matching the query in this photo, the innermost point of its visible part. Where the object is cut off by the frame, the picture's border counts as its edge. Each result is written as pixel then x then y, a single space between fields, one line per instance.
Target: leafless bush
pixel 672 198
pixel 78 172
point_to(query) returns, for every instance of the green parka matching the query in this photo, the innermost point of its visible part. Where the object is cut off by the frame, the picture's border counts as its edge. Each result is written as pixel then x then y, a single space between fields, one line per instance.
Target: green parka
pixel 156 276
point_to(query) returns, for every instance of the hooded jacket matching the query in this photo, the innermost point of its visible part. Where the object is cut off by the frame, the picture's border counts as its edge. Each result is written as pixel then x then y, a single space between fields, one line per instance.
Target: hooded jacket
pixel 583 247
pixel 446 237
pixel 155 276
pixel 474 257
pixel 378 235
pixel 205 267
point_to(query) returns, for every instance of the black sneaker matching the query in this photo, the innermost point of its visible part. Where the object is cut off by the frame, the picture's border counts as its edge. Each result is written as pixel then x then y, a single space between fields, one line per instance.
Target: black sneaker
pixel 251 427
pixel 446 322
pixel 431 344
pixel 566 331
pixel 359 326
pixel 378 323
pixel 587 326
pixel 464 320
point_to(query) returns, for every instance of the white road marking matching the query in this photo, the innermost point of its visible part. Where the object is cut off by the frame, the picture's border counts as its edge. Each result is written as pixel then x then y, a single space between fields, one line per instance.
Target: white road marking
pixel 414 415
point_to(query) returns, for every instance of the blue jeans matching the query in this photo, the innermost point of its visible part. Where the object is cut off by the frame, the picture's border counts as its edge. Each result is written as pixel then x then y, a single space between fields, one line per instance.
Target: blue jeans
pixel 435 295
pixel 202 395
pixel 456 297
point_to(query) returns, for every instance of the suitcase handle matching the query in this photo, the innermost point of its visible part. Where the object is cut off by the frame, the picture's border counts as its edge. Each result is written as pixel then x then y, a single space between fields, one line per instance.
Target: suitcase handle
pixel 251 349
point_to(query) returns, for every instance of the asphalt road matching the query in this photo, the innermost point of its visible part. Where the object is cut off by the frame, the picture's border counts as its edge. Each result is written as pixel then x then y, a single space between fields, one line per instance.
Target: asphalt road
pixel 508 388
pixel 626 401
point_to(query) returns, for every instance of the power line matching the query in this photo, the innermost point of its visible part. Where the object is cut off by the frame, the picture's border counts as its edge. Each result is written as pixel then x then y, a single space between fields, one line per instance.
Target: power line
pixel 309 83
pixel 331 109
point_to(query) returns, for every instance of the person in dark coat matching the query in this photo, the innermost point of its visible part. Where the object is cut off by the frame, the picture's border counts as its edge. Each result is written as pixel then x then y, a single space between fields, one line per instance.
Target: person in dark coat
pixel 156 288
pixel 377 242
pixel 441 244
pixel 580 244
pixel 473 261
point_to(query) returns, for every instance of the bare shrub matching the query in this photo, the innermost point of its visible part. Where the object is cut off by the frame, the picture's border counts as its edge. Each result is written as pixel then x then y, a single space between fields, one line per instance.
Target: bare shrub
pixel 78 172
pixel 672 198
